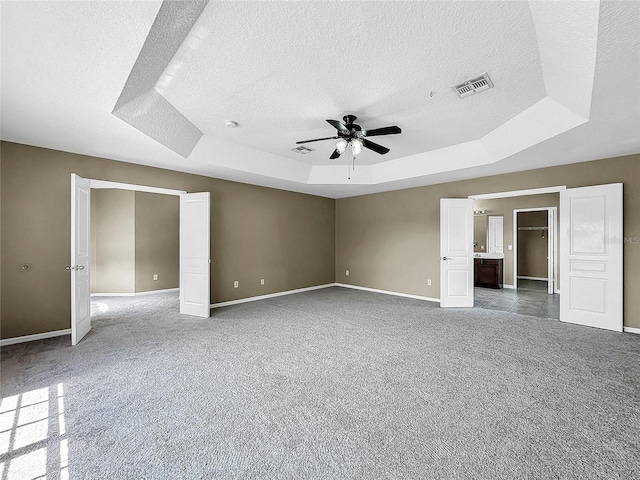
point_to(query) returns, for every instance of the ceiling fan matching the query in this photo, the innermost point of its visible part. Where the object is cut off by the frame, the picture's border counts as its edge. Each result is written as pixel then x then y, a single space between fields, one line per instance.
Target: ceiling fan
pixel 352 134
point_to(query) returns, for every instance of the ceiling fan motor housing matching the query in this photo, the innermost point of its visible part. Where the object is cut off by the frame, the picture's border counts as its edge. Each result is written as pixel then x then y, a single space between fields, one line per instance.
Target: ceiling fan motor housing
pixel 348 120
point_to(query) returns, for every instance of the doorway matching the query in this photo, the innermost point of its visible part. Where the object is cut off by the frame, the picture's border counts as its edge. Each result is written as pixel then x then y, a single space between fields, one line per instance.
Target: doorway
pixel 134 243
pixel 194 278
pixel 590 246
pixel 518 291
pixel 535 253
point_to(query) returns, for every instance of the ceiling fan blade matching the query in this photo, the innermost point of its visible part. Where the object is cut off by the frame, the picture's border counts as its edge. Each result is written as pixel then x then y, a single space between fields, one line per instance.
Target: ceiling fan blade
pixel 334 155
pixel 316 140
pixel 382 131
pixel 374 146
pixel 338 125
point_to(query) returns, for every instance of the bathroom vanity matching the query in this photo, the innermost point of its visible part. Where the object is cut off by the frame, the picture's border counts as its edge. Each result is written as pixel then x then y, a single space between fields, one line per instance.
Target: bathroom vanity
pixel 488 270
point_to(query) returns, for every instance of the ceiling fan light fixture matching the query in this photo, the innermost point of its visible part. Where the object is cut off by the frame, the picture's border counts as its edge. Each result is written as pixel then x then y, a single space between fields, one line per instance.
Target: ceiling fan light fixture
pixel 356 146
pixel 341 146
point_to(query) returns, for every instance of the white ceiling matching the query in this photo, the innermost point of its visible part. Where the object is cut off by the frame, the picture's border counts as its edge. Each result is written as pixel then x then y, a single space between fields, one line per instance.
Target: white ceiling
pixel 566 77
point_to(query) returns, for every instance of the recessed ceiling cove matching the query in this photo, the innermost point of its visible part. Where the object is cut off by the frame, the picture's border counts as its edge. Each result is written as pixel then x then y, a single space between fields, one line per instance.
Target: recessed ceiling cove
pixel 194 70
pixel 140 104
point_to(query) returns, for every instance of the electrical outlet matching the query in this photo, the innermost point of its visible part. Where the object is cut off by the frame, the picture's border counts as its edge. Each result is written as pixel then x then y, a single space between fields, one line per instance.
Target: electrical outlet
pixel 155 277
pixel 262 281
pixel 429 282
pixel 509 247
pixel 347 273
pixel 235 284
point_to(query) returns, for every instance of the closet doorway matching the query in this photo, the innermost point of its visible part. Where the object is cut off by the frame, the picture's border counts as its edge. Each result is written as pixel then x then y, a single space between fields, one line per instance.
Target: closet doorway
pixel 535 255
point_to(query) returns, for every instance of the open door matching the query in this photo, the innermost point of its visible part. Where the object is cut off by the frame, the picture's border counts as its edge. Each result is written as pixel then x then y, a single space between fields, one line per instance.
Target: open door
pixel 551 251
pixel 495 235
pixel 456 252
pixel 591 241
pixel 80 280
pixel 194 254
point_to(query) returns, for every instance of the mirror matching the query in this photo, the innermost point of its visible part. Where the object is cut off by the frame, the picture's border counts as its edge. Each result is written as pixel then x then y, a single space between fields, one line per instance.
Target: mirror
pixel 479 232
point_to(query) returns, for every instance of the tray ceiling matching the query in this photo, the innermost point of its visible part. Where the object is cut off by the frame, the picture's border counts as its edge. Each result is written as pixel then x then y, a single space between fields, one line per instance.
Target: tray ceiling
pixel 153 83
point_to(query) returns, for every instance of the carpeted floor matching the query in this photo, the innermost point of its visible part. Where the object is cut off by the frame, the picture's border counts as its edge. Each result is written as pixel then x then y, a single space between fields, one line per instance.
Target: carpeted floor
pixel 329 384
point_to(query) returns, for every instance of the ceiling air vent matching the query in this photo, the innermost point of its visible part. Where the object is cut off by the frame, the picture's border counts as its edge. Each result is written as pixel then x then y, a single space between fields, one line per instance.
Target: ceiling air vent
pixel 475 85
pixel 302 150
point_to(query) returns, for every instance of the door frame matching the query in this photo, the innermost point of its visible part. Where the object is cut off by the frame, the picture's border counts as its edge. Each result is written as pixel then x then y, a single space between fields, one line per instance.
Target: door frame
pixel 103 184
pixel 552 246
pixel 523 193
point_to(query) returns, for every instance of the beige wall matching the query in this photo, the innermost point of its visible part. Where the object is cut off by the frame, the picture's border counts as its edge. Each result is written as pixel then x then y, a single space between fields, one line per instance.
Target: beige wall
pixel 533 245
pixel 112 241
pixel 480 226
pixel 390 240
pixel 284 237
pixel 134 236
pixel 157 241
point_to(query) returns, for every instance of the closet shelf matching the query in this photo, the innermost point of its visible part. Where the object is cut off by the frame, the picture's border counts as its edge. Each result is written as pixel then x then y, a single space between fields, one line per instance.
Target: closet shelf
pixel 533 228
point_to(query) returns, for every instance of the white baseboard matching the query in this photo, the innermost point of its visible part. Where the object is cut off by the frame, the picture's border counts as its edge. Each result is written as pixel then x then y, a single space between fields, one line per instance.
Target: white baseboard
pixel 506 285
pixel 631 330
pixel 387 292
pixel 524 277
pixel 151 292
pixel 35 336
pixel 137 294
pixel 270 295
pixel 113 294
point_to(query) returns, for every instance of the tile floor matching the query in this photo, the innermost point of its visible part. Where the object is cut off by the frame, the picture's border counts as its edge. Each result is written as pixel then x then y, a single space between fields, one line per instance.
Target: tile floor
pixel 530 298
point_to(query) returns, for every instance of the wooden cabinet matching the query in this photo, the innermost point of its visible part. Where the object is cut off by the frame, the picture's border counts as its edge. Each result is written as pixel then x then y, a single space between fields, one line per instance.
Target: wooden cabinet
pixel 488 272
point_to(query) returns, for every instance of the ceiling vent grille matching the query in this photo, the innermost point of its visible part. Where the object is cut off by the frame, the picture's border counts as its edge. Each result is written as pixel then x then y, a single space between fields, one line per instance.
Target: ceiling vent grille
pixel 302 150
pixel 473 86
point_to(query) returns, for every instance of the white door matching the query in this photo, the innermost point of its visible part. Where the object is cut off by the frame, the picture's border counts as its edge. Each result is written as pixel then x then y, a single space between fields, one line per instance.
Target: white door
pixel 495 232
pixel 194 254
pixel 551 250
pixel 591 241
pixel 456 252
pixel 80 235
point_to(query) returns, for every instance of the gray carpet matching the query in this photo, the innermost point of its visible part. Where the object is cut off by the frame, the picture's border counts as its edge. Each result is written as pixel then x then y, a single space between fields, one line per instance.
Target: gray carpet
pixel 329 384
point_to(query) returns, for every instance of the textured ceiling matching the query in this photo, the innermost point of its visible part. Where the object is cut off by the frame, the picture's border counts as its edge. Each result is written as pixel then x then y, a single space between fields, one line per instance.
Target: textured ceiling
pixel 565 75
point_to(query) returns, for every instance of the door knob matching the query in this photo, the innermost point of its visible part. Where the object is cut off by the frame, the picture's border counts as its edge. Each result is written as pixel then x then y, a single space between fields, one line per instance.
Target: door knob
pixel 69 268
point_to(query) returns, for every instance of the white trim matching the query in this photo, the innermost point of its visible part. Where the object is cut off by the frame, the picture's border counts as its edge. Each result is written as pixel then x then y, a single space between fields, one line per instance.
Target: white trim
pixel 506 285
pixel 270 295
pixel 525 277
pixel 128 186
pixel 387 292
pixel 113 294
pixel 136 294
pixel 519 193
pixel 631 330
pixel 36 336
pixel 164 290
